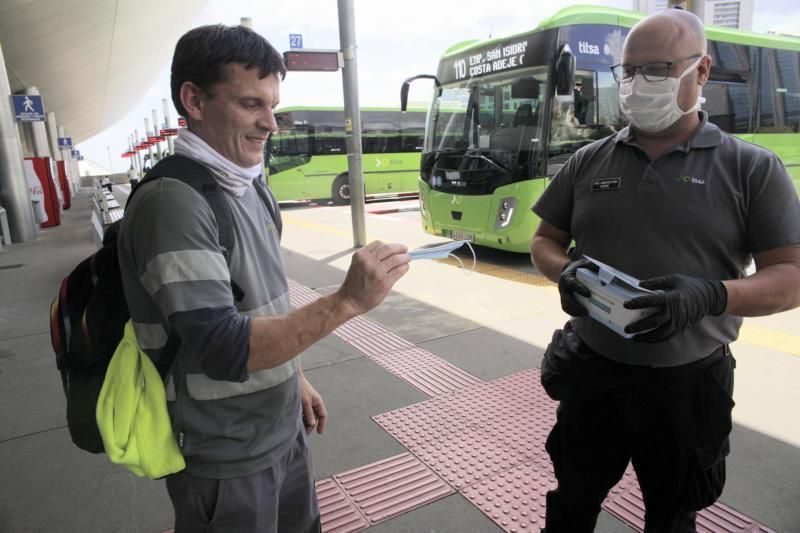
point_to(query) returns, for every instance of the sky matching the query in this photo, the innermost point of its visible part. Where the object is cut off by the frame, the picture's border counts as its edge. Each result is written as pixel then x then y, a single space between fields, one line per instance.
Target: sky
pixel 395 40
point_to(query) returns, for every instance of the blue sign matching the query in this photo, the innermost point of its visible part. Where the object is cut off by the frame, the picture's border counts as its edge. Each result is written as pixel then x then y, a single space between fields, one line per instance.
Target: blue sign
pixel 295 40
pixel 65 143
pixel 28 108
pixel 76 153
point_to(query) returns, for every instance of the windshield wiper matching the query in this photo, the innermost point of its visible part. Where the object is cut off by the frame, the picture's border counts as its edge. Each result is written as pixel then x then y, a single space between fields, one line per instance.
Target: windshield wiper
pixel 478 155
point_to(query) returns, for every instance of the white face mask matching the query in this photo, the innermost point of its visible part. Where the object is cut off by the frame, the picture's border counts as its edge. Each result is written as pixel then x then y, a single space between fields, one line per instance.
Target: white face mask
pixel 652 106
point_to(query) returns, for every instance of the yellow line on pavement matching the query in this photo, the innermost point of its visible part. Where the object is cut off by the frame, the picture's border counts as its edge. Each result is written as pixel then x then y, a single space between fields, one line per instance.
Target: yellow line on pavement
pixel 501 272
pixel 497 271
pixel 770 338
pixel 294 221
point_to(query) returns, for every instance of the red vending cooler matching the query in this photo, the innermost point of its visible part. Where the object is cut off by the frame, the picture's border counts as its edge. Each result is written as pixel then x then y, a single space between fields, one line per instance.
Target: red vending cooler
pixel 43 169
pixel 63 180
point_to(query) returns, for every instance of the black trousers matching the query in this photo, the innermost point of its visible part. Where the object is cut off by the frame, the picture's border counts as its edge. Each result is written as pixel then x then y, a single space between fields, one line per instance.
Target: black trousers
pixel 671 423
pixel 280 499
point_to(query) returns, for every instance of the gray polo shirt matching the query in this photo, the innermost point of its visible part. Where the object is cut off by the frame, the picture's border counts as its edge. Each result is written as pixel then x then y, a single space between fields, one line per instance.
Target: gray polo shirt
pixel 228 421
pixel 700 209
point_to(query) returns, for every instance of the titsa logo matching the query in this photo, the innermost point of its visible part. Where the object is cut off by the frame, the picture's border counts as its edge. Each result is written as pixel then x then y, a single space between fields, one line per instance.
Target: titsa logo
pixel 690 179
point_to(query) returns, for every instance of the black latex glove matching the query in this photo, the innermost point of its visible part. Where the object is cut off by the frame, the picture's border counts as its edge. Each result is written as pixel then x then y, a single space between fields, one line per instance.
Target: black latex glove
pixel 568 284
pixel 684 302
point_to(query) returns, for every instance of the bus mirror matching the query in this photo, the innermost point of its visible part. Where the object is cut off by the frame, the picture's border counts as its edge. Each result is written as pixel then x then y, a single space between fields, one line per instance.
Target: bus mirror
pixel 565 72
pixel 407 84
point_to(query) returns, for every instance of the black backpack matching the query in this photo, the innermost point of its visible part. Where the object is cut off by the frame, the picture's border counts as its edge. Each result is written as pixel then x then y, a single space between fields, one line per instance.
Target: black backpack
pixel 88 316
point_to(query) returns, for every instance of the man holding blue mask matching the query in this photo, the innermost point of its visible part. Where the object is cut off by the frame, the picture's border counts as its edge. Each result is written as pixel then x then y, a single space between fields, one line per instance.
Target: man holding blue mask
pixel 678 203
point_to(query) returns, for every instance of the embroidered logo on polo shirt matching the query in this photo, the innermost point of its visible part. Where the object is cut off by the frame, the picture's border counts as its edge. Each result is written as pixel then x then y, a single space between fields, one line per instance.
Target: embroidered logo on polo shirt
pixel 690 179
pixel 606 184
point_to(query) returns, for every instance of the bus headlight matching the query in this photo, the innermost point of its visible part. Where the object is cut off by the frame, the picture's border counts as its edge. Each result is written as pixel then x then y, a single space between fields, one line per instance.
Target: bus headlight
pixel 505 212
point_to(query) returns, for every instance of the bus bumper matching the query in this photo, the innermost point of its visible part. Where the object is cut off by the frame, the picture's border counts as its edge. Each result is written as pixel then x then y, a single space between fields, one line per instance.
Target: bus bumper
pixel 502 220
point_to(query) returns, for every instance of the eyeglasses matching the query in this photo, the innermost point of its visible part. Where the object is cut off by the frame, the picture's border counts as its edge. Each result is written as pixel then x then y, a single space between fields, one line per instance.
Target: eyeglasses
pixel 655 71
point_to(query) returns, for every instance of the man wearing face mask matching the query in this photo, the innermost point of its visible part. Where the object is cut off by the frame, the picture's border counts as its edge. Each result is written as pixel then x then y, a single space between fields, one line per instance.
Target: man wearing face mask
pixel 684 206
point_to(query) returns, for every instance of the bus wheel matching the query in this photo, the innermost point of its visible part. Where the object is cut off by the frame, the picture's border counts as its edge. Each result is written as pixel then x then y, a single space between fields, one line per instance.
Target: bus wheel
pixel 340 192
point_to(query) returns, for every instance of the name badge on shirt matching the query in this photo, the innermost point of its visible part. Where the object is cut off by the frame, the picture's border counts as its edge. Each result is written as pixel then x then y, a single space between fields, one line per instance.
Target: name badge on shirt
pixel 606 184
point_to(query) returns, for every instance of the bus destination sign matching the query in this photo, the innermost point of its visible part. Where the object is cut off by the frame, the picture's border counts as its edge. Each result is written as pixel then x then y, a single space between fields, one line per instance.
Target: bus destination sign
pixel 503 57
pixel 495 58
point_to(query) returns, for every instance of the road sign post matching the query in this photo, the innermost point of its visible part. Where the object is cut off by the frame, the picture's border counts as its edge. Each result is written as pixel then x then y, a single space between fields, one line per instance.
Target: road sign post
pixel 352 118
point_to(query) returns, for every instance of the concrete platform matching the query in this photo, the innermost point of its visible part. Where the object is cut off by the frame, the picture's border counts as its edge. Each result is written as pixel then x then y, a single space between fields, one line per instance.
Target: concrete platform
pixel 492 325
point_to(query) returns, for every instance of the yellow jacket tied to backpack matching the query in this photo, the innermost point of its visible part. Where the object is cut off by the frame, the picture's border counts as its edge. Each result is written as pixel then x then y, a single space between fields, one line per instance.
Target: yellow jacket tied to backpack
pixel 132 413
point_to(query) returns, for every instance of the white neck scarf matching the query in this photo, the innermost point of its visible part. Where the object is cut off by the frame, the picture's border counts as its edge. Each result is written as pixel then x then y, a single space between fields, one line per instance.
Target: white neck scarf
pixel 231 177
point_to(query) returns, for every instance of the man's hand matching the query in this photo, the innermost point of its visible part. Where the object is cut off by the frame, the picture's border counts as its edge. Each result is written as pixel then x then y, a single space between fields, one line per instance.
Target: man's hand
pixel 568 284
pixel 314 412
pixel 684 302
pixel 373 271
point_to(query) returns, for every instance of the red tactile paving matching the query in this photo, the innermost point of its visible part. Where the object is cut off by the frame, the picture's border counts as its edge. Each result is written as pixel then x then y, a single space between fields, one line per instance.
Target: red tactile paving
pixel 420 368
pixel 381 343
pixel 339 515
pixel 358 328
pixel 439 379
pixel 480 431
pixel 407 360
pixel 300 295
pixel 514 499
pixel 628 506
pixel 392 487
pixel 430 374
pixel 627 482
pixel 720 517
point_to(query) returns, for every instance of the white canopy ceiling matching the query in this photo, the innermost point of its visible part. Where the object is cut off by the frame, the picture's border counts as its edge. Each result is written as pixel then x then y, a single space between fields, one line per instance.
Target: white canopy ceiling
pixel 91 60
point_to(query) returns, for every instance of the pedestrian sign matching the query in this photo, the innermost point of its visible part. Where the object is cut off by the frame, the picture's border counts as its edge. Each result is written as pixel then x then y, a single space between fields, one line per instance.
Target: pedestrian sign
pixel 64 143
pixel 295 40
pixel 28 108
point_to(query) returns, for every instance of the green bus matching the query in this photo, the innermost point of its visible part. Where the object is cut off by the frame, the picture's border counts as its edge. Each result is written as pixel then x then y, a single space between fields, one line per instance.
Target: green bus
pixel 508 112
pixel 307 156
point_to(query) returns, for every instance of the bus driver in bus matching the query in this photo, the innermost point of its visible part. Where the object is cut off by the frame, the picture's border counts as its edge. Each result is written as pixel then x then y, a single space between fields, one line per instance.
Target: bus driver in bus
pixel 683 206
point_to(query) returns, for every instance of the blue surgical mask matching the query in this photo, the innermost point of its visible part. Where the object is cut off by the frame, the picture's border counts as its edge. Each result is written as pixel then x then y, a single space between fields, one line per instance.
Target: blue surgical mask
pixel 652 106
pixel 436 252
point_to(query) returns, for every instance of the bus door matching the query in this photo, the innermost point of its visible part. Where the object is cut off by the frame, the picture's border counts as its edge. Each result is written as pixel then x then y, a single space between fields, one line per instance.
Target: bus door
pixel 378 164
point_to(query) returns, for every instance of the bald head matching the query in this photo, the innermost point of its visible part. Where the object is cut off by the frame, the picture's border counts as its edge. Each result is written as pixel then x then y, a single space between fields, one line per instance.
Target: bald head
pixel 675 37
pixel 666 35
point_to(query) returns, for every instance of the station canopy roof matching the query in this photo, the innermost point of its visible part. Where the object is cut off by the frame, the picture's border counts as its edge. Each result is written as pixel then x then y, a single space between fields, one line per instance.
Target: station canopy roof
pixel 92 60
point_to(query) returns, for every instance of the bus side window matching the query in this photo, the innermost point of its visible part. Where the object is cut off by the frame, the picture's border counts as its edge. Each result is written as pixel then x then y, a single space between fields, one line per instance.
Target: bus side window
pixel 412 141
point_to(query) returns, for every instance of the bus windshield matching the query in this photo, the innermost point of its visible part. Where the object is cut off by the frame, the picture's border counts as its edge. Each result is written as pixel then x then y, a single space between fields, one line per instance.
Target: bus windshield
pixel 491 126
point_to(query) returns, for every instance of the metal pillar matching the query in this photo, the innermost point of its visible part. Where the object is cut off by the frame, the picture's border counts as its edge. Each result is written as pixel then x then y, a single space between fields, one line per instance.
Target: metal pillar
pixel 170 141
pixel 134 162
pixel 14 193
pixel 149 148
pixel 70 161
pixel 136 141
pixel 352 119
pixel 157 132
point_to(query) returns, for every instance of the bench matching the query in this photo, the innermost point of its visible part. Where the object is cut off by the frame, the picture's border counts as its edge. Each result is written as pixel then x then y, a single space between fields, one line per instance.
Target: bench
pixel 107 210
